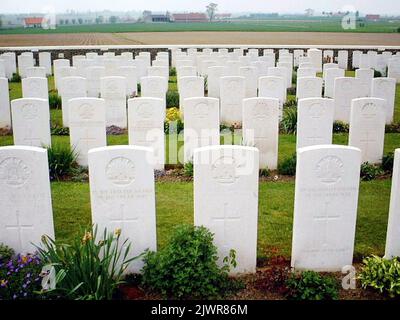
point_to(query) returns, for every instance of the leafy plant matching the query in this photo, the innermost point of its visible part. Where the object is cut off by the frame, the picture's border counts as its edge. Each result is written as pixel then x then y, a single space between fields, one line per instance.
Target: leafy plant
pixel 20 277
pixel 173 114
pixel 172 72
pixel 289 120
pixel 340 127
pixel 59 131
pixel 172 99
pixel 381 274
pixel 90 268
pixel 310 285
pixel 15 77
pixel 387 162
pixel 370 172
pixel 54 100
pixel 288 166
pixel 186 268
pixel 393 127
pixel 188 169
pixel 62 161
pixel 6 252
pixel 264 172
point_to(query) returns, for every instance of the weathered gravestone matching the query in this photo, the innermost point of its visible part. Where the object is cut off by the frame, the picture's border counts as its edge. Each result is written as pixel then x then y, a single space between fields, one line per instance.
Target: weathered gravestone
pixel 35 88
pixel 146 127
pixel 325 207
pixel 201 124
pixel 393 231
pixel 45 62
pixel 314 122
pixel 87 126
pixel 122 197
pixel 309 87
pixel 93 76
pixel 69 88
pixel 365 76
pixel 273 87
pixel 31 122
pixel 113 91
pixel 251 80
pixel 190 87
pixel 385 88
pixel 5 113
pixel 154 87
pixel 232 92
pixel 25 199
pixel 226 200
pixel 213 80
pixel 329 80
pixel 367 128
pixel 261 128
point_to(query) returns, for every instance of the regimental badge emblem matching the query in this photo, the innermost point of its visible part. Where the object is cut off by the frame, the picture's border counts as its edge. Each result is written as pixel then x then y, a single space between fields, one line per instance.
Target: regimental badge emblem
pixel 120 171
pixel 14 172
pixel 329 170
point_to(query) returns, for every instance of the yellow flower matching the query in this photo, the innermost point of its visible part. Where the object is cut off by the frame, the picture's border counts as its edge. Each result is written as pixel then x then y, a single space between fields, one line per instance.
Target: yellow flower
pixel 117 232
pixel 173 114
pixel 87 237
pixel 3 283
pixel 24 259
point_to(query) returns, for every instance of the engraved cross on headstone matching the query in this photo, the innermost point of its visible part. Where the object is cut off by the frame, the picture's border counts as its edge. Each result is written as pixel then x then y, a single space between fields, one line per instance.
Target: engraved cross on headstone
pixel 367 141
pixel 228 218
pixel 325 217
pixel 87 140
pixel 315 138
pixel 20 228
pixel 122 221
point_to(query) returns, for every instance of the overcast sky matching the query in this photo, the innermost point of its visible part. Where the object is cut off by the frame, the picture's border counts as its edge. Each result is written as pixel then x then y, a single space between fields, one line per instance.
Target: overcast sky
pixel 282 6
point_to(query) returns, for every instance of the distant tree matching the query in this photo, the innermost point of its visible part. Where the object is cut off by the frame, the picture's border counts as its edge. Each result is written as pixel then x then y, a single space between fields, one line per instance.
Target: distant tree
pixel 66 21
pixel 1 22
pixel 99 19
pixel 80 21
pixel 113 19
pixel 211 9
pixel 73 21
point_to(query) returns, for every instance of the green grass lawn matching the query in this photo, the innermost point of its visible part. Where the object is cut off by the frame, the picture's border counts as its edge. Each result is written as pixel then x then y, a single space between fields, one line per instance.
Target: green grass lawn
pixel 71 202
pixel 271 25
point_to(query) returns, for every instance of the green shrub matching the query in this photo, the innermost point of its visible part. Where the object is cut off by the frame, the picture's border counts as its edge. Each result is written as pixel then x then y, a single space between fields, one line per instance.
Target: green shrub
pixel 15 77
pixel 291 91
pixel 186 268
pixel 340 127
pixel 62 161
pixel 381 274
pixel 139 88
pixel 90 268
pixel 20 278
pixel 387 162
pixel 265 172
pixel 290 103
pixel 172 99
pixel 173 126
pixel 310 285
pixel 393 128
pixel 288 166
pixel 188 169
pixel 369 171
pixel 172 72
pixel 6 252
pixel 54 100
pixel 59 131
pixel 289 120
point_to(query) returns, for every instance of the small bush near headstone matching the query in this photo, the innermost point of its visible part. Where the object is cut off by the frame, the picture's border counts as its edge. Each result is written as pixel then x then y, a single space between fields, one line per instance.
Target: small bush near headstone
pixel 59 131
pixel 381 274
pixel 340 127
pixel 387 162
pixel 91 267
pixel 393 128
pixel 20 277
pixel 62 161
pixel 186 268
pixel 370 172
pixel 288 166
pixel 310 285
pixel 377 74
pixel 188 169
pixel 15 77
pixel 290 103
pixel 5 253
pixel 172 99
pixel 54 100
pixel 172 72
pixel 265 172
pixel 289 120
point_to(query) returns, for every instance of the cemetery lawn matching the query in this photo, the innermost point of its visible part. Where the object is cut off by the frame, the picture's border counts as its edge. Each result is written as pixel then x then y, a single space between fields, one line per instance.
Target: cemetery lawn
pixel 71 204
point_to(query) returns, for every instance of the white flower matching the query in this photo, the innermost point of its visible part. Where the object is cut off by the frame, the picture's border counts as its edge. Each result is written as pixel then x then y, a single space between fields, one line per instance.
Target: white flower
pixel 49 278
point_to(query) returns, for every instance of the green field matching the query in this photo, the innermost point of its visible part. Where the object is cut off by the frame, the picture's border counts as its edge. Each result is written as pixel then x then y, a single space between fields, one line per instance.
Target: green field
pixel 174 200
pixel 282 25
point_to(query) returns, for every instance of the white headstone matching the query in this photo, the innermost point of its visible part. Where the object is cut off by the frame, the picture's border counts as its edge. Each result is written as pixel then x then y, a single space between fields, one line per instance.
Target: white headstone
pixel 24 62
pixel 5 113
pixel 365 76
pixel 25 207
pixel 146 126
pixel 130 74
pixel 226 200
pixel 31 122
pixel 315 56
pixel 345 90
pixel 343 59
pixel 45 62
pixel 113 91
pixel 69 88
pixel 289 72
pixel 367 128
pixel 309 87
pixel 201 124
pixel 314 122
pixel 251 78
pixel 280 72
pixel 273 87
pixel 57 64
pixel 325 207
pixel 261 128
pixel 385 88
pixel 394 69
pixel 393 232
pixel 232 92
pixel 87 126
pixel 329 80
pixel 93 76
pixel 213 80
pixel 306 72
pixel 35 88
pixel 356 59
pixel 39 72
pixel 190 87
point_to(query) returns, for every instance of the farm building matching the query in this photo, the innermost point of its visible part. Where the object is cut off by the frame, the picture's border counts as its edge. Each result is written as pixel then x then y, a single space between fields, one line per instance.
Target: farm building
pixel 372 17
pixel 148 16
pixel 189 17
pixel 35 22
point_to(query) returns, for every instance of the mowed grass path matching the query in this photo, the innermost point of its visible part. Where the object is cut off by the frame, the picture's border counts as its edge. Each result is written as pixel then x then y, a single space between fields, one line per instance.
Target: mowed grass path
pixel 71 200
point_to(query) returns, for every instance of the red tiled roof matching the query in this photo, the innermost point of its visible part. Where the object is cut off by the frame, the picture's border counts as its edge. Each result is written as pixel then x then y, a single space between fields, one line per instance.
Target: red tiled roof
pixel 189 16
pixel 33 20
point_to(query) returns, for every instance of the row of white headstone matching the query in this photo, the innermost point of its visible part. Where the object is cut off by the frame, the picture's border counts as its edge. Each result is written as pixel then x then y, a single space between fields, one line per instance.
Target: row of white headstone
pixel 225 201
